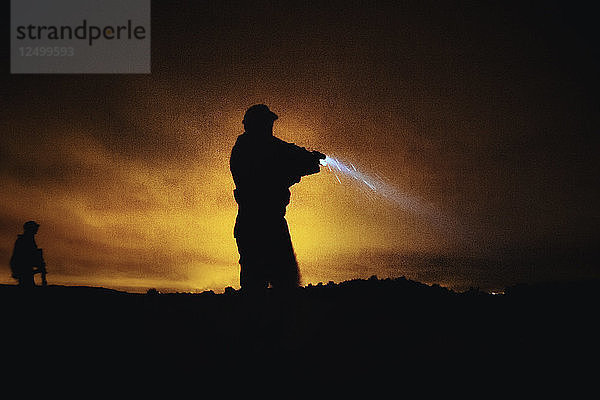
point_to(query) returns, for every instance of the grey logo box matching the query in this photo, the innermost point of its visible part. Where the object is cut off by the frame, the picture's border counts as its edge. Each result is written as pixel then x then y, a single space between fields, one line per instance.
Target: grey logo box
pixel 80 36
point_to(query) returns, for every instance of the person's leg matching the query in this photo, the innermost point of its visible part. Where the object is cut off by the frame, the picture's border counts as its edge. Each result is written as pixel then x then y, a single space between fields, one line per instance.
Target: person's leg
pixel 252 266
pixel 26 280
pixel 286 274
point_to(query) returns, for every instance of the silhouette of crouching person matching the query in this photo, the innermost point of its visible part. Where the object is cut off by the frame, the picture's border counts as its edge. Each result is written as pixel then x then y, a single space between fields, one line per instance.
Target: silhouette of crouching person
pixel 27 259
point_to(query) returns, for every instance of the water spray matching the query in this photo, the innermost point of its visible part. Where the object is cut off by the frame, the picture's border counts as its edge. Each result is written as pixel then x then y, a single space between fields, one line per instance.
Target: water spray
pixel 378 186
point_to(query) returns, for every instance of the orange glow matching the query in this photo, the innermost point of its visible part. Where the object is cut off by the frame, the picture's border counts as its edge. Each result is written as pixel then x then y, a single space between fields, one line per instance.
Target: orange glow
pixel 132 222
pixel 492 123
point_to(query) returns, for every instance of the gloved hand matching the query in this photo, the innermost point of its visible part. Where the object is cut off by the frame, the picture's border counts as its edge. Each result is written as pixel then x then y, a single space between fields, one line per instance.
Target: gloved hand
pixel 318 155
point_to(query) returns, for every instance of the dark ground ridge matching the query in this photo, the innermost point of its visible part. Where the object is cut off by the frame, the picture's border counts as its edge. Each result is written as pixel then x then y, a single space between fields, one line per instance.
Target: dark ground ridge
pixel 375 318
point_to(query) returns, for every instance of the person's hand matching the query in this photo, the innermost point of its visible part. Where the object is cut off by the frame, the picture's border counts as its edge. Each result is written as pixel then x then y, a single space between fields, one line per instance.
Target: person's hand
pixel 319 155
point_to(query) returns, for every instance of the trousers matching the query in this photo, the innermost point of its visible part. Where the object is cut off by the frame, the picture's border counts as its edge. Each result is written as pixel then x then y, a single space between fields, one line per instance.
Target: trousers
pixel 266 254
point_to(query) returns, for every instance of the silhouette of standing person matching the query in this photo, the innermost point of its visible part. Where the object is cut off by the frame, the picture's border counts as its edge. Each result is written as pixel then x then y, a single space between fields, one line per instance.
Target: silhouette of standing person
pixel 263 169
pixel 27 258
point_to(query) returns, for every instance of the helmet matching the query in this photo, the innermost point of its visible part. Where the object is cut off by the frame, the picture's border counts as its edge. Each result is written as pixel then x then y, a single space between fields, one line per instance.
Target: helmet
pixel 259 113
pixel 30 225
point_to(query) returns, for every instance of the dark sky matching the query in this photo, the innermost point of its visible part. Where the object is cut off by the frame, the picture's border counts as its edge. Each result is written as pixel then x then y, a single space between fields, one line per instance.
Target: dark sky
pixel 488 112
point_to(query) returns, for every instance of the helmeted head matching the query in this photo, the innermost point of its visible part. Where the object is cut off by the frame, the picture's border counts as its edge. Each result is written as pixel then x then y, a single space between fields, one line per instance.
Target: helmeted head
pixel 259 119
pixel 31 227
